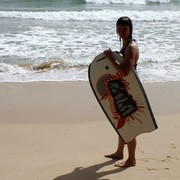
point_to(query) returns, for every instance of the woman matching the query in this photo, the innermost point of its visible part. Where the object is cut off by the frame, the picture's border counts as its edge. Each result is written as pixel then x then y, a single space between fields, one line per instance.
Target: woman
pixel 130 53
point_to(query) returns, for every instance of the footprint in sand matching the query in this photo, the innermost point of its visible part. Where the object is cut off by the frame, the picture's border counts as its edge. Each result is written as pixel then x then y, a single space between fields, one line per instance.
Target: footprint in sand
pixel 173 146
pixel 139 150
pixel 157 169
pixel 169 157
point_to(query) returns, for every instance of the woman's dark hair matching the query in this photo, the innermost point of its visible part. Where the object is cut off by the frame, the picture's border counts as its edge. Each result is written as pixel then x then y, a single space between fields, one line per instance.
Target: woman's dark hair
pixel 126 21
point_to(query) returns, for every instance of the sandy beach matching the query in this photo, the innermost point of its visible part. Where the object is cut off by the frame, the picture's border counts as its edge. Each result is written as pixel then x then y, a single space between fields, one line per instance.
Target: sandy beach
pixel 57 131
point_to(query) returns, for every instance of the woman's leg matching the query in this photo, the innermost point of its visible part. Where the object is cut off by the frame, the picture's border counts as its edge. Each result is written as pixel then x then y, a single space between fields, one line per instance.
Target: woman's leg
pixel 131 161
pixel 119 152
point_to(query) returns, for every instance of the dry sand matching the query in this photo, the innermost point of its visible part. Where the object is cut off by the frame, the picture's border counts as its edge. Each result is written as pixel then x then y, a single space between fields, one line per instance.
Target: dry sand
pixel 57 131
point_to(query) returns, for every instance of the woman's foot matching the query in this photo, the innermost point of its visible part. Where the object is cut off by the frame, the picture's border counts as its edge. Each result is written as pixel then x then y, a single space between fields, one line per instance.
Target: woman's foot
pixel 128 163
pixel 114 156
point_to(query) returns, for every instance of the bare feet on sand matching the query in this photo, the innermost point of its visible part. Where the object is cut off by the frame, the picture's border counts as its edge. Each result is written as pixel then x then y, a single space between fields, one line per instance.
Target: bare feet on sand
pixel 127 163
pixel 114 156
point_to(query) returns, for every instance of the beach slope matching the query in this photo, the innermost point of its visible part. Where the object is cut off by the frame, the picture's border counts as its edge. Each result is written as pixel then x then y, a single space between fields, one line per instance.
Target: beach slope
pixel 57 131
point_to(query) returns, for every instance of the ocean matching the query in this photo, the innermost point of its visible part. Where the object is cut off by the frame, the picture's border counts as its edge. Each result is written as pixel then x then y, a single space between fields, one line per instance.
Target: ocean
pixel 55 40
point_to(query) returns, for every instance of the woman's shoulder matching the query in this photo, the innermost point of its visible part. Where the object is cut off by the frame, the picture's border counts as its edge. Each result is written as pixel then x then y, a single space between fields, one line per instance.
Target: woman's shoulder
pixel 133 43
pixel 133 46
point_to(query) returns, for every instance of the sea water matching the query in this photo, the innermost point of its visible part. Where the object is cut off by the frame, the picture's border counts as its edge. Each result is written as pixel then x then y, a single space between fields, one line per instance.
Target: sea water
pixel 56 40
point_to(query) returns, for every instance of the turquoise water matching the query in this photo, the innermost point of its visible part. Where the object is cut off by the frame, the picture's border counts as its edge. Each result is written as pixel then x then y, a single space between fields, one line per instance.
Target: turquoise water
pixel 55 40
pixel 80 5
pixel 89 4
pixel 42 4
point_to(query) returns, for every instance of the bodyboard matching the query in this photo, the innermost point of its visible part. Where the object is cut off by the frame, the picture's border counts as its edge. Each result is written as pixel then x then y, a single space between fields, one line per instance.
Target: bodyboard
pixel 122 98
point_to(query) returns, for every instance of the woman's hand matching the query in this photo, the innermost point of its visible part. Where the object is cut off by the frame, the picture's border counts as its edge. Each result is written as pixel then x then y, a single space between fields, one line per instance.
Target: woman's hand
pixel 108 54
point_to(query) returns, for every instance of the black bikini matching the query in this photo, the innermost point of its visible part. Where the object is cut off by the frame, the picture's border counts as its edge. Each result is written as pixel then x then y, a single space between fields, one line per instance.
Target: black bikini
pixel 122 52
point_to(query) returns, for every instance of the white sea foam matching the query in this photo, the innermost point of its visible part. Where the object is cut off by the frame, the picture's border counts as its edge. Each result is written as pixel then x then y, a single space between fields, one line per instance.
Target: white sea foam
pixel 52 53
pixel 147 73
pixel 158 1
pixel 103 15
pixel 127 1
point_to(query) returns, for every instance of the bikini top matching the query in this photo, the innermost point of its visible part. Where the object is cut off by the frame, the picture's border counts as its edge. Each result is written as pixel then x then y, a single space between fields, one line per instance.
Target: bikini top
pixel 122 52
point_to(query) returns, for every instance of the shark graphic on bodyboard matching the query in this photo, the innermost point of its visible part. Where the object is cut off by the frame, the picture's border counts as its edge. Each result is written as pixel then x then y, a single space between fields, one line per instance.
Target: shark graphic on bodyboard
pixel 122 98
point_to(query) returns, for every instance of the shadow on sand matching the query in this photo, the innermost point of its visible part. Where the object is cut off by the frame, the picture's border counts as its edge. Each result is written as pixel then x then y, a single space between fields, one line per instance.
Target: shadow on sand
pixel 90 173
